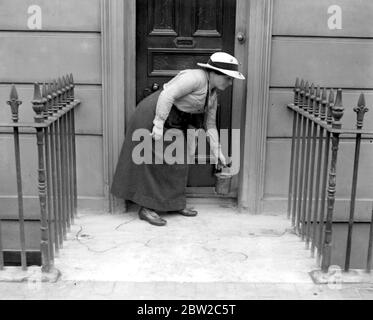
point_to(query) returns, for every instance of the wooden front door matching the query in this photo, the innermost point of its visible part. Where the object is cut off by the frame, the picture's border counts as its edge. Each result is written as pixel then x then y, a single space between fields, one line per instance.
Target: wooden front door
pixel 173 35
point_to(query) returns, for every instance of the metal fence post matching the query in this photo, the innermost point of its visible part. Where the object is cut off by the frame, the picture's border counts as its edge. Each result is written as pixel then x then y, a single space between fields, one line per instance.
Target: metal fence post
pixel 337 113
pixel 360 110
pixel 292 156
pixel 14 104
pixel 38 107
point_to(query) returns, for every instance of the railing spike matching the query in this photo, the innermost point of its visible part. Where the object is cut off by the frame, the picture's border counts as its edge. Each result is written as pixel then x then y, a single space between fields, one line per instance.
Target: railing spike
pixel 55 86
pixel 337 110
pixel 48 88
pixel 307 96
pixel 37 94
pixel 72 86
pixel 51 86
pixel 59 83
pixel 360 110
pixel 312 89
pixel 324 103
pixel 296 83
pixel 67 85
pixel 44 90
pixel 301 94
pixel 63 83
pixel 37 103
pixel 54 96
pixel 329 117
pixel 311 99
pixel 324 95
pixel 67 81
pixel 45 100
pixel 318 93
pixel 318 101
pixel 331 96
pixel 69 88
pixel 50 98
pixel 13 93
pixel 307 86
pixel 338 99
pixel 296 92
pixel 14 103
pixel 361 102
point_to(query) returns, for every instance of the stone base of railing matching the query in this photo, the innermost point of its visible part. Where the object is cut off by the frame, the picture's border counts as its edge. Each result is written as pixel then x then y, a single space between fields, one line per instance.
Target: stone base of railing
pixel 336 275
pixel 33 274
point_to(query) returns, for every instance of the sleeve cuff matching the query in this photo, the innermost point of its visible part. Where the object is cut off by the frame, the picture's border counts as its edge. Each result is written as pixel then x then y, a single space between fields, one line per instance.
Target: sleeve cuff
pixel 158 122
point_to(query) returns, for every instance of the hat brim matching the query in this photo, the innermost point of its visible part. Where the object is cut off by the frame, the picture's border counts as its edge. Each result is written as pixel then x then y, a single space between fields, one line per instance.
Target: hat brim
pixel 231 73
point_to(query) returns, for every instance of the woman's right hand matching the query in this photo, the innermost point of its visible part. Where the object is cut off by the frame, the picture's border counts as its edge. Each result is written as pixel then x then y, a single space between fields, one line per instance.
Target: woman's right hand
pixel 223 163
pixel 157 133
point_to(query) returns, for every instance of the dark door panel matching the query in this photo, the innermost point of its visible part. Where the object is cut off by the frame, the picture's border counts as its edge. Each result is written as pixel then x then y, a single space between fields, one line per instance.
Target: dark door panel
pixel 173 35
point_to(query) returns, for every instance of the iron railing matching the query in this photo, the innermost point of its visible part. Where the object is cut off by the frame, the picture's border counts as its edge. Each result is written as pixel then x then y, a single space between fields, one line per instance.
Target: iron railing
pixel 54 124
pixel 316 134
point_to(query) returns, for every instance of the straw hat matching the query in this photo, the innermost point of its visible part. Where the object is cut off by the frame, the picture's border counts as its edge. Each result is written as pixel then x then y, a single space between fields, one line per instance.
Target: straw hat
pixel 224 63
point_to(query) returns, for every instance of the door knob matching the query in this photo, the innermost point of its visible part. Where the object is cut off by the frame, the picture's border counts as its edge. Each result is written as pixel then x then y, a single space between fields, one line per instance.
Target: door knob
pixel 155 86
pixel 241 37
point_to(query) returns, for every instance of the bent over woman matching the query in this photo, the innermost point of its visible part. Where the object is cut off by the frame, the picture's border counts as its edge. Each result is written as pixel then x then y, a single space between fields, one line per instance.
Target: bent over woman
pixel 189 100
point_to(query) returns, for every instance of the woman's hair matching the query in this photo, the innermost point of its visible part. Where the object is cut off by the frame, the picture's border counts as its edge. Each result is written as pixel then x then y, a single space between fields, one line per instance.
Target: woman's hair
pixel 217 72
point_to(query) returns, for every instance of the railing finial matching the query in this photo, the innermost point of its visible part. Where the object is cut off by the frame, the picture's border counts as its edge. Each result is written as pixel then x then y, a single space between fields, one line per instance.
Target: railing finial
pixel 68 89
pixel 14 103
pixel 45 100
pixel 37 104
pixel 318 102
pixel 64 87
pixel 360 110
pixel 296 92
pixel 307 96
pixel 329 117
pixel 301 94
pixel 72 86
pixel 311 104
pixel 50 98
pixel 324 103
pixel 59 93
pixel 337 110
pixel 54 96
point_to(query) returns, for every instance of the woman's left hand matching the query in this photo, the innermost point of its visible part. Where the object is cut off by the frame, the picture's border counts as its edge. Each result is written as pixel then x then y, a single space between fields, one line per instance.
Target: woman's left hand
pixel 222 161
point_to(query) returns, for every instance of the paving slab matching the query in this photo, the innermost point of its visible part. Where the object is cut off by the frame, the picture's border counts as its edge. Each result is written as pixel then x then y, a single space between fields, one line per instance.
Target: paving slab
pixel 219 245
pixel 219 254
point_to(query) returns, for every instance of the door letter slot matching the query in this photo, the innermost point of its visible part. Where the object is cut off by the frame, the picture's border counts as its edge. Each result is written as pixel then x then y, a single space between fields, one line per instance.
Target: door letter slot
pixel 184 42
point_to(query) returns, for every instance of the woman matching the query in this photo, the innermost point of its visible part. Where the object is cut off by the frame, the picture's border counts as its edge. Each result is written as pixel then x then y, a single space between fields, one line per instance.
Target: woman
pixel 189 100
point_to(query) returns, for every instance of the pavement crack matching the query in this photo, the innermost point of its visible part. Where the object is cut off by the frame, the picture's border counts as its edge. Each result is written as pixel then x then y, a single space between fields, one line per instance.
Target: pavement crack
pixel 269 233
pixel 89 248
pixel 124 223
pixel 147 244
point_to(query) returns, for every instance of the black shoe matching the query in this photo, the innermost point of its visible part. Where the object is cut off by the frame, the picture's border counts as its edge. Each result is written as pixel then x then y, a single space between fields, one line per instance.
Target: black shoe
pixel 188 212
pixel 151 216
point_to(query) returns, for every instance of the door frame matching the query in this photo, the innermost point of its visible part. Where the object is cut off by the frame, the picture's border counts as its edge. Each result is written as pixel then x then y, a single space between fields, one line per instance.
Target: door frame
pixel 250 97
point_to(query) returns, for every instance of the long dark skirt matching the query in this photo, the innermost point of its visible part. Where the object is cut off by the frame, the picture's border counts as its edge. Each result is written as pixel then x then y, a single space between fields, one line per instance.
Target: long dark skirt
pixel 156 186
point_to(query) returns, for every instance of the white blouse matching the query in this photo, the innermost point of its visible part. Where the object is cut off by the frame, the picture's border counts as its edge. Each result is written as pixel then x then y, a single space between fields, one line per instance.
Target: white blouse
pixel 187 91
